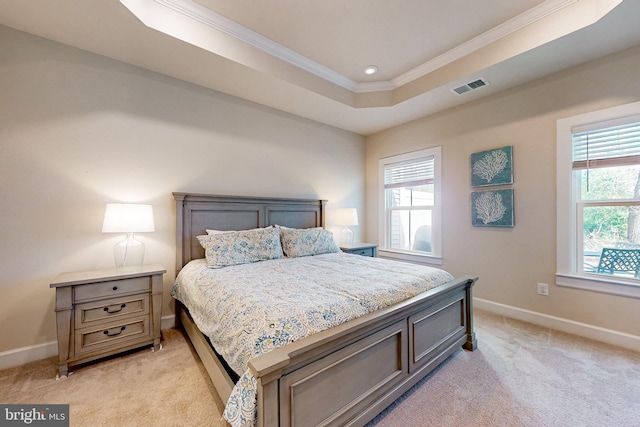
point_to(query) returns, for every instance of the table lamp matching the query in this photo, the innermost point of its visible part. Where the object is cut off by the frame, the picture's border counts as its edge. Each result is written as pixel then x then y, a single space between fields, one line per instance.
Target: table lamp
pixel 128 218
pixel 346 217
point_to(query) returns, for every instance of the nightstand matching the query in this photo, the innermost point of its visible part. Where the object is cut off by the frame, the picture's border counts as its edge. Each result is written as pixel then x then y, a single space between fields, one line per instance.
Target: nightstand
pixel 100 313
pixel 364 249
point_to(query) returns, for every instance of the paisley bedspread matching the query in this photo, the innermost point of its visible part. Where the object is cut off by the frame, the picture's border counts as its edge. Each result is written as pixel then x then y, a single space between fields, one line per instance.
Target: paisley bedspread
pixel 247 310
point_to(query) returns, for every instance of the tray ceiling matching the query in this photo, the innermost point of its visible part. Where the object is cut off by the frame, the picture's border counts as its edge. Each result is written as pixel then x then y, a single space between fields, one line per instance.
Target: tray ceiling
pixel 307 58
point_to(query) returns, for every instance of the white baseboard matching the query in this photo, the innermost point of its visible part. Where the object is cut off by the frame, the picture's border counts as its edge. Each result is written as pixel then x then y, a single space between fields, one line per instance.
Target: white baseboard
pixel 20 356
pixel 168 322
pixel 609 336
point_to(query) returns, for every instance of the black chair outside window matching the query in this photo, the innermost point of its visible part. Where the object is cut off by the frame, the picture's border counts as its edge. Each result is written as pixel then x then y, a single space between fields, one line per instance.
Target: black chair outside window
pixel 619 261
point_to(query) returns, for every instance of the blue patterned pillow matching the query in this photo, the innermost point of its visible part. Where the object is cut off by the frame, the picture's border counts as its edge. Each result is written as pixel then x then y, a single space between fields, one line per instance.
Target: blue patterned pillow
pixel 210 232
pixel 241 247
pixel 297 242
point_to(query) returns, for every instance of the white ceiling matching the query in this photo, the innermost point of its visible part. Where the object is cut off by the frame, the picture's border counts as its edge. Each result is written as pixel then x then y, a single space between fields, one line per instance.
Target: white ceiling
pixel 307 58
pixel 346 36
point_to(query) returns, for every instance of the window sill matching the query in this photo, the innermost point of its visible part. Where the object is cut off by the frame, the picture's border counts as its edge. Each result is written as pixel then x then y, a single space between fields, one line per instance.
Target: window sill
pixel 409 257
pixel 599 284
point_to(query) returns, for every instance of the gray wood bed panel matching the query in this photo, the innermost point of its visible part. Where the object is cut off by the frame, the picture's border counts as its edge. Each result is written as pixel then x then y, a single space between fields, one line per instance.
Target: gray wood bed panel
pixel 342 376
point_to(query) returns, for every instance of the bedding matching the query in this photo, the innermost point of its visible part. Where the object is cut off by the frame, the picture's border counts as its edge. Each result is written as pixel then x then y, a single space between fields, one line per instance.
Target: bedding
pixel 247 310
pixel 240 247
pixel 298 242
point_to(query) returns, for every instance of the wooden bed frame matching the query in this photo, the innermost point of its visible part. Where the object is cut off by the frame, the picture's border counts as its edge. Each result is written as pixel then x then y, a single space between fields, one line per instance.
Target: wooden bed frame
pixel 342 376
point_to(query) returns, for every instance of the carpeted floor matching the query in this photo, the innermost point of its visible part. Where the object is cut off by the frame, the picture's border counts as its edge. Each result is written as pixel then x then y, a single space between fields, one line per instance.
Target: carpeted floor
pixel 520 375
pixel 525 375
pixel 166 388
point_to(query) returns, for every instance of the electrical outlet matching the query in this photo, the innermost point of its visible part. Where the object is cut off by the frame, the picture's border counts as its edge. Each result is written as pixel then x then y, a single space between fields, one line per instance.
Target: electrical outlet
pixel 543 289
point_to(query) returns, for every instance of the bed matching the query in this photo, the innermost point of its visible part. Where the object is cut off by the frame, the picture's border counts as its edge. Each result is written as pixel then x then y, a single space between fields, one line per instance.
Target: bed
pixel 382 353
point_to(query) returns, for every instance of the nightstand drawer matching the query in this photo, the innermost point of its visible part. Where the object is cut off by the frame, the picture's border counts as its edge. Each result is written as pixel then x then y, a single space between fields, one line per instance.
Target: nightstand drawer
pixel 110 289
pixel 112 334
pixel 111 309
pixel 363 252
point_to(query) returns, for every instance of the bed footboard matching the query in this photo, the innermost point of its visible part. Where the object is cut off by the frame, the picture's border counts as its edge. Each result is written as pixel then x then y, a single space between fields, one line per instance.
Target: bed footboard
pixel 349 374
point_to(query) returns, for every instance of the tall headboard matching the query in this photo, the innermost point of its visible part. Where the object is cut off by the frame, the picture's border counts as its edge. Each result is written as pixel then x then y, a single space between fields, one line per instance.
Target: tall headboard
pixel 197 212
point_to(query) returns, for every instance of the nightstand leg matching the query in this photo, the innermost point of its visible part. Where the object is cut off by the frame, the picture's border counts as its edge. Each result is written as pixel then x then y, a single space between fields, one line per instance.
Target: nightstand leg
pixel 63 371
pixel 64 319
pixel 156 310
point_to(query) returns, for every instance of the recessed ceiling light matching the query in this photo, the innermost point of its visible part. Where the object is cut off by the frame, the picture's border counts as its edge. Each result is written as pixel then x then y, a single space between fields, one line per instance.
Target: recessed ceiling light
pixel 370 69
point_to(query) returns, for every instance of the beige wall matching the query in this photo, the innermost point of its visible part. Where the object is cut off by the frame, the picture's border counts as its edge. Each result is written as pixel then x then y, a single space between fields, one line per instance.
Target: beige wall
pixel 510 262
pixel 78 131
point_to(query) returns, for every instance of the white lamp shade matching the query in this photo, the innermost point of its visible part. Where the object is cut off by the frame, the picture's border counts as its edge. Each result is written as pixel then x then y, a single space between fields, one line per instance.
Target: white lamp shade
pixel 347 216
pixel 128 218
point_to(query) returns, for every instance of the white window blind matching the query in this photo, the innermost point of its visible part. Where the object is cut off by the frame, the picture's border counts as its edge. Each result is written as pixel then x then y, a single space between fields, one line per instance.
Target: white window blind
pixel 410 174
pixel 611 143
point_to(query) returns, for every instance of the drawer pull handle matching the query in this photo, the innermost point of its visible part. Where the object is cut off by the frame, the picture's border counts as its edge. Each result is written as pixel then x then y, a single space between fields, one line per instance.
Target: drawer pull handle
pixel 115 311
pixel 122 328
pixel 115 288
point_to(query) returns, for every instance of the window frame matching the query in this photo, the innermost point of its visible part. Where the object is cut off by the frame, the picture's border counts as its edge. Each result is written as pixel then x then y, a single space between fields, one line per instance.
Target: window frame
pixel 569 273
pixel 435 256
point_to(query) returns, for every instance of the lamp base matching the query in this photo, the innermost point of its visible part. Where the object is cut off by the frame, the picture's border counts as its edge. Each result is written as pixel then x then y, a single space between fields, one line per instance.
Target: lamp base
pixel 128 252
pixel 346 236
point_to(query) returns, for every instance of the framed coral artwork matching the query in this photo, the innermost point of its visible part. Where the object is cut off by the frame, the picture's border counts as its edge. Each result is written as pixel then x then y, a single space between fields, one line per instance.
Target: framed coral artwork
pixel 492 167
pixel 492 208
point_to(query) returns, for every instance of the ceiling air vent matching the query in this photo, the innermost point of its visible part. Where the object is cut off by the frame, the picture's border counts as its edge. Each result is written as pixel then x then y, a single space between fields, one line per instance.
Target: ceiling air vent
pixel 470 86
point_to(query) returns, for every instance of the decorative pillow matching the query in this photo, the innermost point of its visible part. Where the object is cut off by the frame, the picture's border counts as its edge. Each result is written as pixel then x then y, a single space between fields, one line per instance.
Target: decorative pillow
pixel 212 232
pixel 297 242
pixel 241 247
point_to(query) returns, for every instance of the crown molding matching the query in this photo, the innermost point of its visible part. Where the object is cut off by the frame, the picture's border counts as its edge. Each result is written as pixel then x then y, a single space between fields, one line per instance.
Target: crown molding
pixel 218 22
pixel 380 86
pixel 523 20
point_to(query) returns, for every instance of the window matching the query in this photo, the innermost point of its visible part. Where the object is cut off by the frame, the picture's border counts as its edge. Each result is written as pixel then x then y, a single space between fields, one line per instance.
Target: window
pixel 599 201
pixel 410 205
